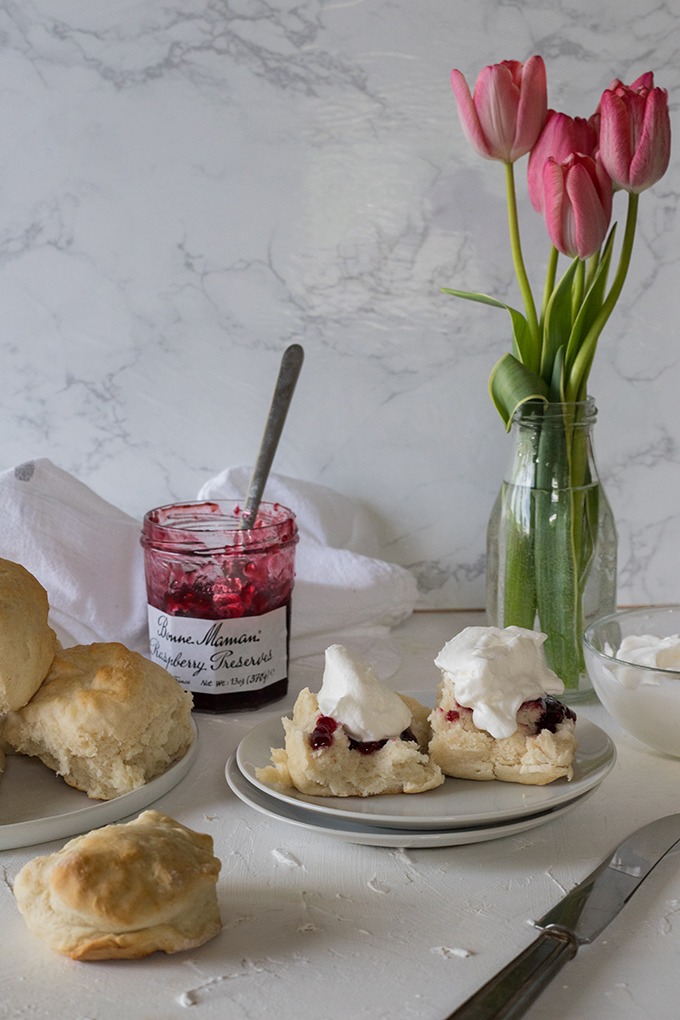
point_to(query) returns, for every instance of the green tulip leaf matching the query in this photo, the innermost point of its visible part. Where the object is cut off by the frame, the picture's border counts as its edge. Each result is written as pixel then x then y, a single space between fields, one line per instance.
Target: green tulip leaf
pixel 520 326
pixel 591 307
pixel 558 319
pixel 557 378
pixel 512 384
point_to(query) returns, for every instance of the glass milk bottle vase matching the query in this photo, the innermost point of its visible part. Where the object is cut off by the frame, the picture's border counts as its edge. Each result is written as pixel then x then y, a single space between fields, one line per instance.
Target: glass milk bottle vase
pixel 551 539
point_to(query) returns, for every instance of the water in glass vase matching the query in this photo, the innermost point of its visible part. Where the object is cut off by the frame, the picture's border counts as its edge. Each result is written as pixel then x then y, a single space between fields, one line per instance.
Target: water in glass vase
pixel 551 538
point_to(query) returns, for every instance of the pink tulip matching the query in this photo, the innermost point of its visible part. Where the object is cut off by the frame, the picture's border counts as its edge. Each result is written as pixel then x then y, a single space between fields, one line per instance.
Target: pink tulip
pixel 560 136
pixel 578 204
pixel 504 117
pixel 635 133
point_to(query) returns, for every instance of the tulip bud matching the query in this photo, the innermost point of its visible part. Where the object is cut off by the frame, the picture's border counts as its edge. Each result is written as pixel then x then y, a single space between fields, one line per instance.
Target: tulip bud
pixel 561 135
pixel 635 133
pixel 504 117
pixel 577 204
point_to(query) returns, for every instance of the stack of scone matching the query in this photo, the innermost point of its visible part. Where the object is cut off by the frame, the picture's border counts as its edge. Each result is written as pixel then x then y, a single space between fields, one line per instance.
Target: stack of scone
pixel 103 717
pixel 108 721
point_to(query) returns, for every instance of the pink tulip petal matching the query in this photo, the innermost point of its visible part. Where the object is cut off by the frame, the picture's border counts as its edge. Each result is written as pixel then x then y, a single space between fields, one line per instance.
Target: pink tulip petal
pixel 553 196
pixel 533 102
pixel 615 141
pixel 585 217
pixel 652 155
pixel 496 99
pixel 468 115
pixel 645 81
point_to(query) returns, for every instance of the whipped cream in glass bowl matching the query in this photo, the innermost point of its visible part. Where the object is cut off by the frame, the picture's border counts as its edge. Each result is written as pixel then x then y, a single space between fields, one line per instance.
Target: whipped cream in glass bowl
pixel 633 660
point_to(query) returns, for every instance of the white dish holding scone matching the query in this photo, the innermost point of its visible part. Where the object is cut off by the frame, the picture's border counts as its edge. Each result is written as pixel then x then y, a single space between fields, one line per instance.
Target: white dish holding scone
pixel 456 804
pixel 37 806
pixel 353 831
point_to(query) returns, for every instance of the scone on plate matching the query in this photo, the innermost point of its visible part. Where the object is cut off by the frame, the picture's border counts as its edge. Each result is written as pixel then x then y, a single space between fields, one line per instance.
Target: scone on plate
pixel 356 738
pixel 124 891
pixel 496 714
pixel 27 642
pixel 105 719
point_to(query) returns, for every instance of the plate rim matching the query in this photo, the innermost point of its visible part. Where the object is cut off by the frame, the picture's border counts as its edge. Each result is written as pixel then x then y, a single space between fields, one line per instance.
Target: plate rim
pixel 379 836
pixel 552 795
pixel 94 814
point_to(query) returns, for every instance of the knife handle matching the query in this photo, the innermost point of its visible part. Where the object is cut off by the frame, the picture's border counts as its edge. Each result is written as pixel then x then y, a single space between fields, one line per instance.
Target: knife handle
pixel 510 993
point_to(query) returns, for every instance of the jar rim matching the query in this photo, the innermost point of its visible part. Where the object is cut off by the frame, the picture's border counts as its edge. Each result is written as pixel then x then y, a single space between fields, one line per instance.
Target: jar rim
pixel 203 527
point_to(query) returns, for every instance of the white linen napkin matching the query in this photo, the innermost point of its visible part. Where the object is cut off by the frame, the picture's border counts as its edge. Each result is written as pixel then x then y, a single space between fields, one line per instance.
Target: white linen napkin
pixel 86 554
pixel 84 551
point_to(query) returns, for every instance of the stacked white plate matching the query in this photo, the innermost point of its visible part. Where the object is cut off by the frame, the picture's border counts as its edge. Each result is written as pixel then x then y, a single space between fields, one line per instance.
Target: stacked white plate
pixel 458 812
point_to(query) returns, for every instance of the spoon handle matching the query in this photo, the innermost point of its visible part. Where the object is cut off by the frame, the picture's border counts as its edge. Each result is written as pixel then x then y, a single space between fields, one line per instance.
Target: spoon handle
pixel 291 363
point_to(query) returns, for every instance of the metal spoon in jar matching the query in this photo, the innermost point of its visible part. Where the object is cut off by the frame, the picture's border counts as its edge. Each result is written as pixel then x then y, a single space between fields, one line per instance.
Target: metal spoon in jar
pixel 291 363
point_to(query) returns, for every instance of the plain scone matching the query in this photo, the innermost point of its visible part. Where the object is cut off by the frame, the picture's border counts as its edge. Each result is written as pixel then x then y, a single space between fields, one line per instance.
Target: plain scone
pixel 466 752
pixel 399 766
pixel 105 719
pixel 124 891
pixel 27 642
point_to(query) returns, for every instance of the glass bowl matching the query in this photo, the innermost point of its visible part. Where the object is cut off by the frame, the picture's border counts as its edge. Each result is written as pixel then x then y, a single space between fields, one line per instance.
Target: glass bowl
pixel 643 699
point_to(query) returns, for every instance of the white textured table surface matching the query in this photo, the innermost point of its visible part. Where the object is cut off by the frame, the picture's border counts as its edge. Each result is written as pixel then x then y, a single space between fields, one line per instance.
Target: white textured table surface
pixel 326 930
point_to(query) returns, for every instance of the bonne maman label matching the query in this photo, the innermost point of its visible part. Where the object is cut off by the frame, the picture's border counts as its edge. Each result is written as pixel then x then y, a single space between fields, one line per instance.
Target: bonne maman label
pixel 221 656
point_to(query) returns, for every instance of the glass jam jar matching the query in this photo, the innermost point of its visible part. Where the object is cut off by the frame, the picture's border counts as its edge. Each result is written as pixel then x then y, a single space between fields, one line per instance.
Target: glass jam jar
pixel 219 598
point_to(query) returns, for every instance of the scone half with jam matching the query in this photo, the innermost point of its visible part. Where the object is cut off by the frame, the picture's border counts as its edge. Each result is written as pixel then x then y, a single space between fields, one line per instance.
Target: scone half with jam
pixel 497 716
pixel 355 738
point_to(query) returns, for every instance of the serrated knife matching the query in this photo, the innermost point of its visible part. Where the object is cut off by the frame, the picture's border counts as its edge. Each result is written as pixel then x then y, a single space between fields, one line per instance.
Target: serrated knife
pixel 577 919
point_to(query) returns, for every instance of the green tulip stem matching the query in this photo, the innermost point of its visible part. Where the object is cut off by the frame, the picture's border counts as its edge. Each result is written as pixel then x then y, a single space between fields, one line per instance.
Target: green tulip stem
pixel 533 359
pixel 578 289
pixel 578 377
pixel 550 513
pixel 550 276
pixel 592 264
pixel 625 256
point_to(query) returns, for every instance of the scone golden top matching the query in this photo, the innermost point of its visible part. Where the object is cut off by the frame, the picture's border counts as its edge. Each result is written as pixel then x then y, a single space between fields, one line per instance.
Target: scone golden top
pixel 105 718
pixel 27 642
pixel 124 891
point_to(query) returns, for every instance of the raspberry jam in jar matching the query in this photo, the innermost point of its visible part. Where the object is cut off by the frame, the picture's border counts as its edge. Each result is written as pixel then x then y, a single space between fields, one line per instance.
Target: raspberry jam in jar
pixel 219 599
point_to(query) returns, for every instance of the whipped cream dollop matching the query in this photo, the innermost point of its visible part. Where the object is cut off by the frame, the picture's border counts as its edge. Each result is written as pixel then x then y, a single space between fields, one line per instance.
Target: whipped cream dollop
pixel 646 650
pixel 353 695
pixel 494 670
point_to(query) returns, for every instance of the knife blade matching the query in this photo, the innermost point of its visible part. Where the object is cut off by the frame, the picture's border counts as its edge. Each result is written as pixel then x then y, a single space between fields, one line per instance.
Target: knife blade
pixel 577 919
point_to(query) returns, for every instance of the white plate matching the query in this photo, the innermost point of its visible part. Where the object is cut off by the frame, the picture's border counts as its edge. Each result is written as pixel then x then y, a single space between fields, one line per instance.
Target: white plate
pixel 37 806
pixel 376 836
pixel 457 804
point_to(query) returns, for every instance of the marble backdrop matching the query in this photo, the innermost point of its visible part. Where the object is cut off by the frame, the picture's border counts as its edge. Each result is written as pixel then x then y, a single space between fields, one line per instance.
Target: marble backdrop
pixel 188 186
